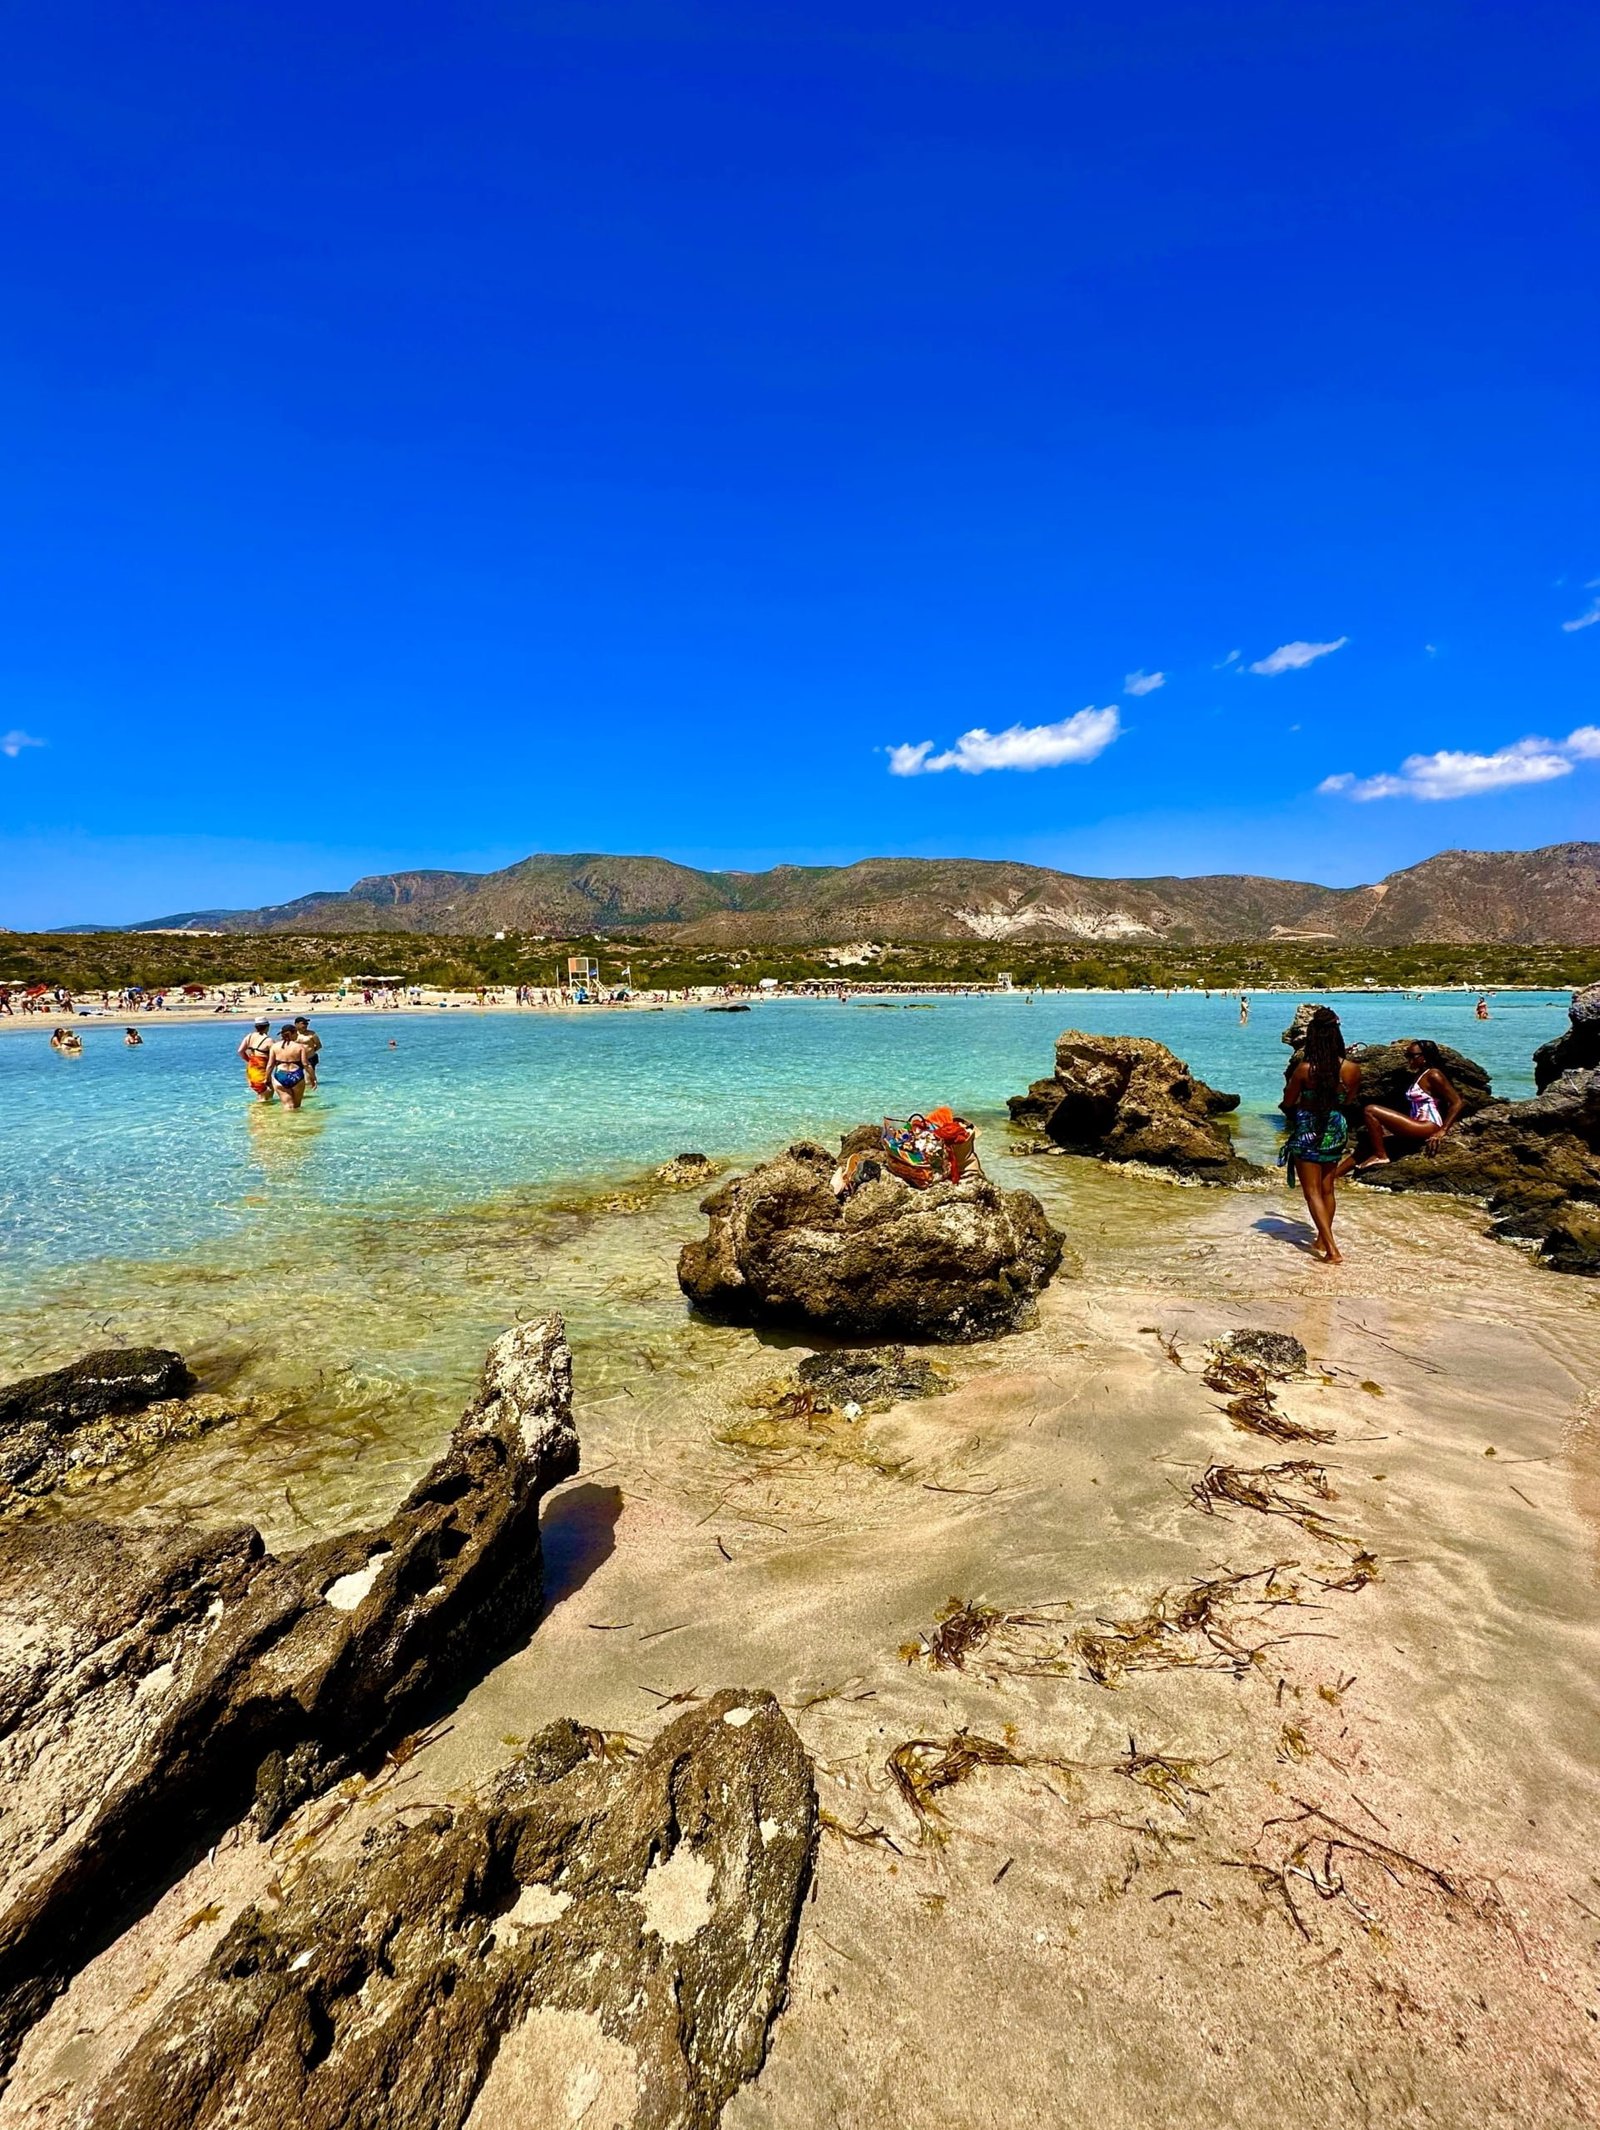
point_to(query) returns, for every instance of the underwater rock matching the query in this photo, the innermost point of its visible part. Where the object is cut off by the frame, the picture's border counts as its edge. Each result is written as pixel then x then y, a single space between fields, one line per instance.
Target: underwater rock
pixel 1536 1164
pixel 1577 1048
pixel 597 1933
pixel 1277 1354
pixel 952 1261
pixel 155 1676
pixel 687 1171
pixel 1127 1098
pixel 872 1379
pixel 43 1417
pixel 35 1461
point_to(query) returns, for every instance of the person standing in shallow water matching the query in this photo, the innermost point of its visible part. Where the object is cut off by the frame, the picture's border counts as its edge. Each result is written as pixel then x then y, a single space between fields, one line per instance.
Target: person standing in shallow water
pixel 1322 1080
pixel 256 1051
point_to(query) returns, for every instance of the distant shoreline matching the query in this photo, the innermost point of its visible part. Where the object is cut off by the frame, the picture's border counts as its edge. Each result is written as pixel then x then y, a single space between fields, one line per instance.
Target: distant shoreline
pixel 435 1002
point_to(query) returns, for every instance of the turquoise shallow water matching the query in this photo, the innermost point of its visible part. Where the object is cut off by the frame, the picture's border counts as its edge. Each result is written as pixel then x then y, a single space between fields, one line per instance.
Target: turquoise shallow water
pixel 141 1154
pixel 343 1270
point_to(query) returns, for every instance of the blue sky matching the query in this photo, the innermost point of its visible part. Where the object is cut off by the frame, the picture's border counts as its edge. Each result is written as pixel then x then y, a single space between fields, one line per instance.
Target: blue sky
pixel 433 434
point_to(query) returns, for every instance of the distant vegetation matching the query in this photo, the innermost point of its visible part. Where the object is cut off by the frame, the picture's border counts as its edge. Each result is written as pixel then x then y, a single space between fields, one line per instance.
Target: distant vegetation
pixel 110 960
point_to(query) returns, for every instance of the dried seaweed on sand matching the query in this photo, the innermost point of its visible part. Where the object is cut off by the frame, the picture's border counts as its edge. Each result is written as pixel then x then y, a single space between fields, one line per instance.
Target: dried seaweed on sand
pixel 922 1768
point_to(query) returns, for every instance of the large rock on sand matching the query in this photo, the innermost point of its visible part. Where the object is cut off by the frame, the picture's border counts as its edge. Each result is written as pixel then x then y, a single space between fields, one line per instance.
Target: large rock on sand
pixel 1577 1048
pixel 156 1678
pixel 953 1261
pixel 1385 1075
pixel 1127 1098
pixel 1535 1164
pixel 598 1941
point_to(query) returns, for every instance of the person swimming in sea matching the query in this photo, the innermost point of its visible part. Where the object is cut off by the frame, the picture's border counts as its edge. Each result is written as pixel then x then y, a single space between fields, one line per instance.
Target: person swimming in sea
pixel 1322 1082
pixel 287 1061
pixel 67 1041
pixel 1244 1011
pixel 133 1039
pixel 1432 1106
pixel 256 1050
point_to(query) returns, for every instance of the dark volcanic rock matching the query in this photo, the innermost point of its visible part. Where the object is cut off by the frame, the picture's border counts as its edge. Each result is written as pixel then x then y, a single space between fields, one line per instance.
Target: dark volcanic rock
pixel 596 1935
pixel 873 1378
pixel 953 1261
pixel 154 1677
pixel 1536 1165
pixel 1577 1048
pixel 1126 1098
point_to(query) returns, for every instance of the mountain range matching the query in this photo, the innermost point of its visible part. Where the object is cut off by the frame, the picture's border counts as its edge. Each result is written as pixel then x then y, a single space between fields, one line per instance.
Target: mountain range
pixel 1545 897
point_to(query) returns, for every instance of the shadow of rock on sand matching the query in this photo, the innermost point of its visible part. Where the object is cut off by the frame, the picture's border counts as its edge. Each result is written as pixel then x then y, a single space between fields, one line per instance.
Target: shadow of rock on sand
pixel 578 1534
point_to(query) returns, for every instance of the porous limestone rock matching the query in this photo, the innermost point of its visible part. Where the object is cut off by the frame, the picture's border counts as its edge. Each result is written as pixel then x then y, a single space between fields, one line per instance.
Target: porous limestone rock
pixel 600 1940
pixel 1577 1047
pixel 1385 1076
pixel 951 1261
pixel 871 1378
pixel 80 1413
pixel 1127 1098
pixel 155 1677
pixel 1277 1354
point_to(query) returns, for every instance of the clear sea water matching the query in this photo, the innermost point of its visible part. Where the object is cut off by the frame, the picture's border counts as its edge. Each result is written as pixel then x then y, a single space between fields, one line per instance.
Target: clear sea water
pixel 149 1152
pixel 346 1267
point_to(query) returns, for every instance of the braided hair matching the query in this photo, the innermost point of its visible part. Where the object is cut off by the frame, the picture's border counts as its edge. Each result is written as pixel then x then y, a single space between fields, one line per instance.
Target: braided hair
pixel 1324 1054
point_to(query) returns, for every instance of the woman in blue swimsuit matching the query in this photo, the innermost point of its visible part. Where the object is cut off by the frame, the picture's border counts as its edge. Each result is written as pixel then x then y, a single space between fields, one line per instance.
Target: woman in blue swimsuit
pixel 287 1064
pixel 1322 1080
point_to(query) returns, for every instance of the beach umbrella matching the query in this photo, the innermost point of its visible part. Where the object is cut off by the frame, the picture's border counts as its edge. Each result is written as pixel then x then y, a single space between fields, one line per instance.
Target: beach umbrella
pixel 36 991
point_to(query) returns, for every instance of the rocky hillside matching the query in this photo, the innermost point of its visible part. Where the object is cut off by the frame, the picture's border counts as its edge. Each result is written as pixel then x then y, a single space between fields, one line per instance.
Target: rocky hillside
pixel 1543 897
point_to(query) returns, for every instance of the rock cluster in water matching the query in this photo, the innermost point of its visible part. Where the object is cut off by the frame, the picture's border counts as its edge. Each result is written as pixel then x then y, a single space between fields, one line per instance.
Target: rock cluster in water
pixel 595 1935
pixel 160 1679
pixel 95 1417
pixel 1536 1164
pixel 951 1261
pixel 1577 1048
pixel 1128 1098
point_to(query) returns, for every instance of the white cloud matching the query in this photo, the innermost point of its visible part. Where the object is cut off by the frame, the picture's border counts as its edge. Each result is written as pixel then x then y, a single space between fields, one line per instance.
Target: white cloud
pixel 1143 683
pixel 12 743
pixel 1453 773
pixel 1290 657
pixel 1584 621
pixel 1078 738
pixel 1222 662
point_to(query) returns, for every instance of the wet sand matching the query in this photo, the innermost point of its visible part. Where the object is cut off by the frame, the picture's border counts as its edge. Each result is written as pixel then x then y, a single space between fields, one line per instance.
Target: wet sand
pixel 1350 1881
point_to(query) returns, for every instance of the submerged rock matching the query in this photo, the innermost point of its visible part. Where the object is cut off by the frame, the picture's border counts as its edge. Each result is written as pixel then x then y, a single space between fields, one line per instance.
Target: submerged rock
pixel 597 1934
pixel 156 1677
pixel 1127 1098
pixel 870 1380
pixel 1277 1354
pixel 687 1171
pixel 1536 1164
pixel 953 1261
pixel 97 1415
pixel 1577 1048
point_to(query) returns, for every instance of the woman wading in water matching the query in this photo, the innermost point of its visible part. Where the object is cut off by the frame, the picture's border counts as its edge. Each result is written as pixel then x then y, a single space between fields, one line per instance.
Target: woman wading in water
pixel 1321 1081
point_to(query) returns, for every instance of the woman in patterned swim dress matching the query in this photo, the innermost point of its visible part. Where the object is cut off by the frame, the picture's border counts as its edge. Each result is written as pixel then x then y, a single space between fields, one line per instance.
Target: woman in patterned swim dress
pixel 1321 1081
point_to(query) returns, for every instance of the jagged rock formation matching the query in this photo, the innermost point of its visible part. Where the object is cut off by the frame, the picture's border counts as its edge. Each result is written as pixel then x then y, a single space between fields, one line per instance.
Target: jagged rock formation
pixel 595 1935
pixel 953 1261
pixel 1536 1165
pixel 155 1678
pixel 1126 1098
pixel 96 1416
pixel 1577 1048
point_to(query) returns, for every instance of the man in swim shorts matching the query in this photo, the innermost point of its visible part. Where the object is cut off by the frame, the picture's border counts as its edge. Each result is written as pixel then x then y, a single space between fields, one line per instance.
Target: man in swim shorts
pixel 256 1050
pixel 310 1043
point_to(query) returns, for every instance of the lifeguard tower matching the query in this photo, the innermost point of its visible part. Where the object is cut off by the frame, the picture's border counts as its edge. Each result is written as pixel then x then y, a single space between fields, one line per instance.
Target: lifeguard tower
pixel 583 978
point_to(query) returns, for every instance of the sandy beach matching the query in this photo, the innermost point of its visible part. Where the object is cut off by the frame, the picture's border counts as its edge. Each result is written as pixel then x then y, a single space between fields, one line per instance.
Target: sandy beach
pixel 1326 1855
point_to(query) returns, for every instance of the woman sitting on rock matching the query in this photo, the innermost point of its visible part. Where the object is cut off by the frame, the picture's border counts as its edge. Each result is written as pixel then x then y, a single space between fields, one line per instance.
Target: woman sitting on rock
pixel 1322 1080
pixel 1432 1106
